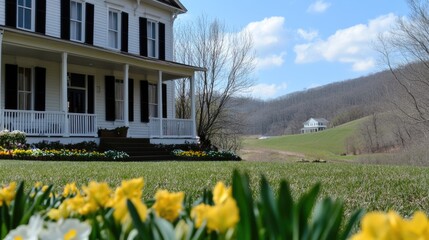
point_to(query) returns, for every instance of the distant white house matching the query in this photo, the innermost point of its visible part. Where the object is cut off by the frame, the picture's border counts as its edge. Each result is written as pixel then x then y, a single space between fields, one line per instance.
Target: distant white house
pixel 314 125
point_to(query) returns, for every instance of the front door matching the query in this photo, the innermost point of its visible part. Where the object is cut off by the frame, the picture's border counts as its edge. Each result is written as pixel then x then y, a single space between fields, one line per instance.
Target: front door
pixel 76 93
pixel 76 100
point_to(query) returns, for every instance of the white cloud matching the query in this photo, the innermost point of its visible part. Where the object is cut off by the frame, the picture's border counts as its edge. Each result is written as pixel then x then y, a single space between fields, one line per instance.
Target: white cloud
pixel 351 45
pixel 307 35
pixel 266 33
pixel 318 7
pixel 273 60
pixel 266 91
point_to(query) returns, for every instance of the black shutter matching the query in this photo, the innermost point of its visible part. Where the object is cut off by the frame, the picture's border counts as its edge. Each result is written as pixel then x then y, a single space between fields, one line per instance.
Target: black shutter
pixel 110 98
pixel 143 37
pixel 41 16
pixel 91 94
pixel 65 19
pixel 164 100
pixel 130 100
pixel 10 12
pixel 39 88
pixel 161 43
pixel 144 101
pixel 11 86
pixel 89 23
pixel 124 32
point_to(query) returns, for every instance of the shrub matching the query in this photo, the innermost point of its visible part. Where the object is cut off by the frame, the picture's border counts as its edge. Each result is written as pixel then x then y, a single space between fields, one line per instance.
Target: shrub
pixel 56 145
pixel 12 140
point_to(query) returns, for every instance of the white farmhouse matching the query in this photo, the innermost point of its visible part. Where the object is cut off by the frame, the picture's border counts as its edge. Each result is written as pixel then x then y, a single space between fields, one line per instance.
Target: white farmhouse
pixel 314 125
pixel 70 67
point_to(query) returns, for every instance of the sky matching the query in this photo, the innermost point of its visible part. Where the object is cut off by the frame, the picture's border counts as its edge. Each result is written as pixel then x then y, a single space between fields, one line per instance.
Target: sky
pixel 302 44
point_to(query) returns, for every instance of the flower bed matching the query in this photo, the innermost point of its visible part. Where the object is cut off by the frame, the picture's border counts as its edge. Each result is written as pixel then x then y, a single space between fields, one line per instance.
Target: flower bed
pixel 63 154
pixel 193 155
pixel 96 211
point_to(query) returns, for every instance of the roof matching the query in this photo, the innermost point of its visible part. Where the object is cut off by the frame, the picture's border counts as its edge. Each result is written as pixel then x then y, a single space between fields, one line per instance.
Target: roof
pixel 174 3
pixel 322 120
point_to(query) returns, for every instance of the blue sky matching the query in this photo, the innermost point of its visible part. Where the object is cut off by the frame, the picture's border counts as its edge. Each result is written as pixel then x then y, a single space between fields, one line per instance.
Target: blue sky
pixel 302 44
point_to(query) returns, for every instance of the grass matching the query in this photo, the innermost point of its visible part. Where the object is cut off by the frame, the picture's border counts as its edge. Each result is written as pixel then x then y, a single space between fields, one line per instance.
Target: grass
pixel 404 189
pixel 328 144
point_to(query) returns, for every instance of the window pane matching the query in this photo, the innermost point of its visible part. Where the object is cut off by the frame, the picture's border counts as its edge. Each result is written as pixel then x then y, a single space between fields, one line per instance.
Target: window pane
pixel 113 40
pixel 20 2
pixel 79 31
pixel 21 100
pixel 28 101
pixel 79 11
pixel 20 17
pixel 27 19
pixel 28 3
pixel 28 79
pixel 153 31
pixel 73 10
pixel 20 79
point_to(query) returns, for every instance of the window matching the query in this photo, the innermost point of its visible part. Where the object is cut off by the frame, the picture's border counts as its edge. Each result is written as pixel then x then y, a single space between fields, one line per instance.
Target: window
pixel 76 21
pixel 119 100
pixel 151 39
pixel 25 14
pixel 153 100
pixel 113 31
pixel 24 88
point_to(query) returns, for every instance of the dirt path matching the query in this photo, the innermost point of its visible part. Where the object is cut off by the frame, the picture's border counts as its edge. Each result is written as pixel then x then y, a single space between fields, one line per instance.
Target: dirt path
pixel 260 154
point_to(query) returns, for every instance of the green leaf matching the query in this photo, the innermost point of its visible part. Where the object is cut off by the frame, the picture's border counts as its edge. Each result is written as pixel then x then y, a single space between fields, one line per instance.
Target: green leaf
pixel 302 212
pixel 353 220
pixel 165 228
pixel 200 232
pixel 269 211
pixel 246 227
pixel 35 206
pixel 18 207
pixel 285 207
pixel 138 224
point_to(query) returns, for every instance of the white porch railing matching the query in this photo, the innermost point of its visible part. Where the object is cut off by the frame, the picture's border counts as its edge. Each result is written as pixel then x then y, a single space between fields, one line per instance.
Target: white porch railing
pixel 49 123
pixel 171 127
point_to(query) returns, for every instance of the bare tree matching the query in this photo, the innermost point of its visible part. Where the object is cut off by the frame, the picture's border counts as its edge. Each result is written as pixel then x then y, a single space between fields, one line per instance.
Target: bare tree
pixel 405 50
pixel 229 62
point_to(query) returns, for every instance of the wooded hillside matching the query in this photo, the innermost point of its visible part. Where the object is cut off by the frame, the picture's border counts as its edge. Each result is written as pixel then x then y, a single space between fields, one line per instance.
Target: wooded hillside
pixel 338 102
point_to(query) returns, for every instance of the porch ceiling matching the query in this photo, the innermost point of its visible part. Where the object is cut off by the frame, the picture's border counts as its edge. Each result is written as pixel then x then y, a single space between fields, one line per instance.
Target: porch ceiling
pixel 82 55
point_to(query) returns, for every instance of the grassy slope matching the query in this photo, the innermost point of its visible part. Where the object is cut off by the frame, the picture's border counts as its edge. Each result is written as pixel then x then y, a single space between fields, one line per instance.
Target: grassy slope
pixel 404 189
pixel 328 144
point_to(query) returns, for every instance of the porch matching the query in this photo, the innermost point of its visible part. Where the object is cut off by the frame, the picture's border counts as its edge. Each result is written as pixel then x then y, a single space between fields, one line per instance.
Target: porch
pixel 60 124
pixel 77 99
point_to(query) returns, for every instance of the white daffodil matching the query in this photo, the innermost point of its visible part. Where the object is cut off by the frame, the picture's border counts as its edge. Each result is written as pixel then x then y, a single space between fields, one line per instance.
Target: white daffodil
pixel 27 232
pixel 69 229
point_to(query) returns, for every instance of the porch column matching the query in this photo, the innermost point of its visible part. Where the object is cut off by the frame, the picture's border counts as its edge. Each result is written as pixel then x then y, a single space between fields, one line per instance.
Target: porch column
pixel 159 87
pixel 126 120
pixel 194 125
pixel 1 74
pixel 64 105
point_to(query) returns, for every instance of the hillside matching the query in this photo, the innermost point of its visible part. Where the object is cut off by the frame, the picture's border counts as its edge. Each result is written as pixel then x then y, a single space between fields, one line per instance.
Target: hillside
pixel 328 144
pixel 338 102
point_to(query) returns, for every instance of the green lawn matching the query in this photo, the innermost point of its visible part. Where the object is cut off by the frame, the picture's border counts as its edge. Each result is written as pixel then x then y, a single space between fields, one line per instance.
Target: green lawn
pixel 404 189
pixel 328 144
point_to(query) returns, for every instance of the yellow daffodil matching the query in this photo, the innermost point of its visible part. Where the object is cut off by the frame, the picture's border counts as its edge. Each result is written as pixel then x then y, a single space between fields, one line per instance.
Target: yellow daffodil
pixel 222 217
pixel 7 194
pixel 129 189
pixel 70 189
pixel 98 194
pixel 221 193
pixel 382 226
pixel 199 214
pixel 121 212
pixel 168 205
